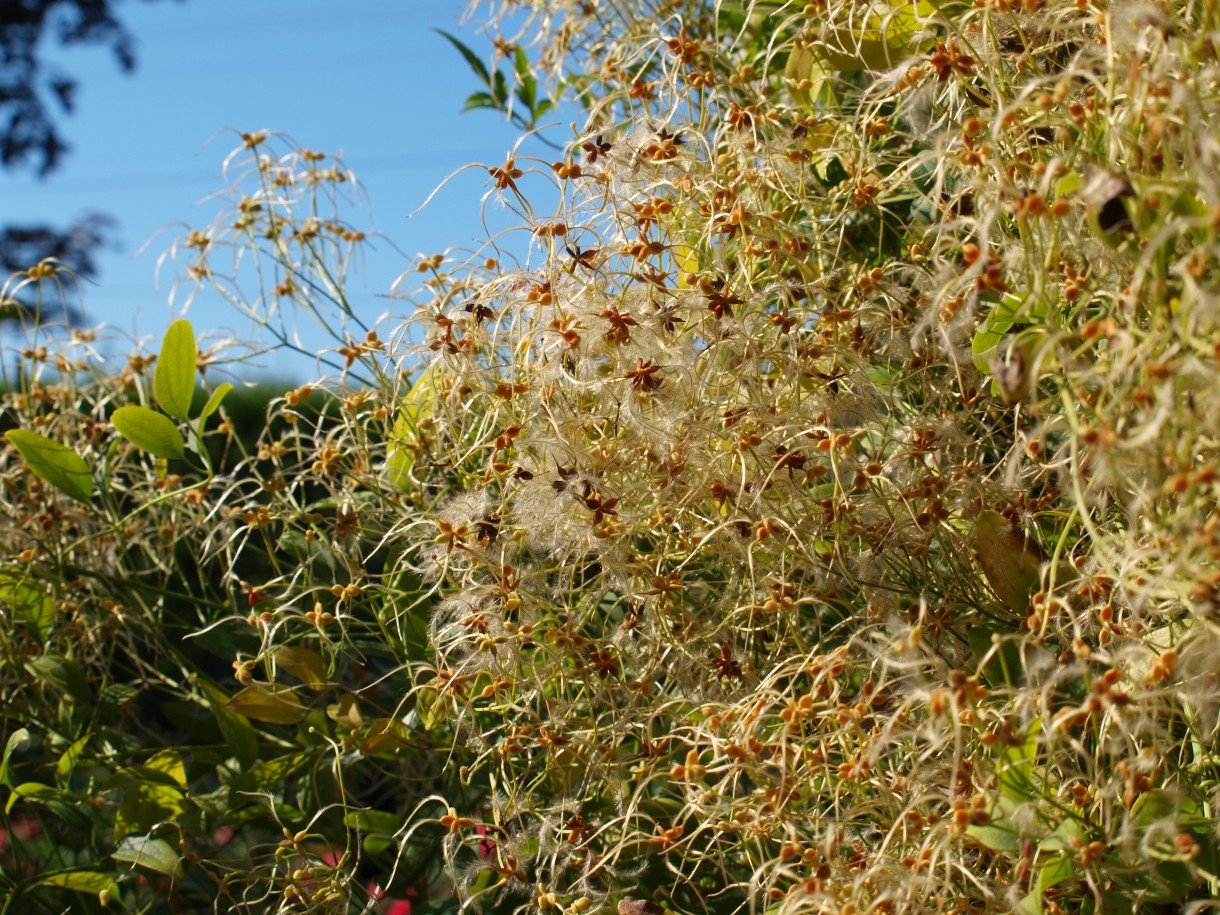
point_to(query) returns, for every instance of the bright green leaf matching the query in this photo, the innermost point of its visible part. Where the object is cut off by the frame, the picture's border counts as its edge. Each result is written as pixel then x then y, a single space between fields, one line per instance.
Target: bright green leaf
pixel 28 600
pixel 214 402
pixel 67 762
pixel 92 882
pixel 479 100
pixel 169 762
pixel 377 826
pixel 58 464
pixel 418 404
pixel 28 790
pixel 174 379
pixel 149 431
pixel 433 707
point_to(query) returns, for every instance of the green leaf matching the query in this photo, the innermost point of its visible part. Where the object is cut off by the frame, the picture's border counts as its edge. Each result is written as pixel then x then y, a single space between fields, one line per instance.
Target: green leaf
pixel 15 740
pixel 58 464
pixel 1004 666
pixel 999 836
pixel 213 403
pixel 268 702
pixel 401 449
pixel 433 707
pixel 879 37
pixel 169 762
pixel 237 730
pixel 92 882
pixel 62 675
pixel 527 85
pixel 174 379
pixel 28 600
pixel 1068 184
pixel 27 790
pixel 384 734
pixel 67 762
pixel 307 666
pixel 271 773
pixel 149 431
pixel 499 89
pixel 146 805
pixel 378 827
pixel 480 100
pixel 154 854
pixel 472 59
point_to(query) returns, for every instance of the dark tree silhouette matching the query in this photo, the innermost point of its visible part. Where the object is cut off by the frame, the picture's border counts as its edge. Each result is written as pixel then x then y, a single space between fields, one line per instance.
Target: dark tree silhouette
pixel 33 95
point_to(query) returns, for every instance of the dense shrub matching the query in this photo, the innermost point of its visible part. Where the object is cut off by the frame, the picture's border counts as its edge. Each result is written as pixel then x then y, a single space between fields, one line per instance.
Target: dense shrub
pixel 822 517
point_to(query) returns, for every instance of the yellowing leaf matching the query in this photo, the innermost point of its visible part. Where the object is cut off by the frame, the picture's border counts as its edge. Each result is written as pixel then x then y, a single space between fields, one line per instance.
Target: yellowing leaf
pixel 685 262
pixel 384 734
pixel 58 464
pixel 433 706
pixel 804 64
pixel 1011 561
pixel 307 666
pixel 876 36
pixel 267 702
pixel 346 712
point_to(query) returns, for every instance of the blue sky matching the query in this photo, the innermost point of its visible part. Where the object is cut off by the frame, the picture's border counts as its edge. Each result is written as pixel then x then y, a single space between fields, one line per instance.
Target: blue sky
pixel 366 78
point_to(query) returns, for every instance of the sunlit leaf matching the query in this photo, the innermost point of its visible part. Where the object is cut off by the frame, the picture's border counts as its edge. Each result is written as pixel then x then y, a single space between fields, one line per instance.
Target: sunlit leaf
pixel 146 805
pixel 879 36
pixel 174 378
pixel 28 600
pixel 416 406
pixel 384 734
pixel 154 854
pixel 268 702
pixel 67 761
pixel 92 882
pixel 307 666
pixel 149 431
pixel 18 738
pixel 214 402
pixel 58 464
